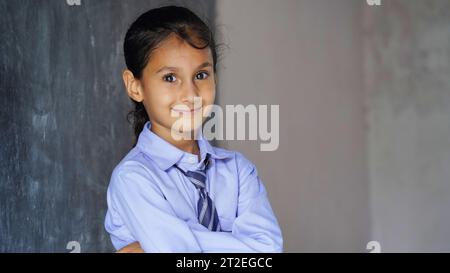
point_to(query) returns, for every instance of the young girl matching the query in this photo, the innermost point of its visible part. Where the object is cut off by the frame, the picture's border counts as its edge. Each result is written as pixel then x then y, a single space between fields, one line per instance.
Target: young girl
pixel 172 193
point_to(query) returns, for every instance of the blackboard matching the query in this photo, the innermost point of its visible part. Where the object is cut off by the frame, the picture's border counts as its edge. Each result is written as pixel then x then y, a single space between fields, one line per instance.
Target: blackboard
pixel 63 118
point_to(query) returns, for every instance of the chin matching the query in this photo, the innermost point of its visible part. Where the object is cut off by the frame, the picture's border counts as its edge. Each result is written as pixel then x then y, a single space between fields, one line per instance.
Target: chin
pixel 186 127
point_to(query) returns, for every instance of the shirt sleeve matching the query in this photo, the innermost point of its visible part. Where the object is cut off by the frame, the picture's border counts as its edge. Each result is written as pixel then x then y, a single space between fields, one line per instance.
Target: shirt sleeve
pixel 146 213
pixel 255 229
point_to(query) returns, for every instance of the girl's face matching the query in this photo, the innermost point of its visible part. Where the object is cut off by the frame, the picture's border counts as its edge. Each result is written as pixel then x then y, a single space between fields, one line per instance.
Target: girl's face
pixel 177 80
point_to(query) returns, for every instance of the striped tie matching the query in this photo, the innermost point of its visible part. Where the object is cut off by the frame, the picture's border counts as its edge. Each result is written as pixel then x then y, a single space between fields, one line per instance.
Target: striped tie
pixel 206 211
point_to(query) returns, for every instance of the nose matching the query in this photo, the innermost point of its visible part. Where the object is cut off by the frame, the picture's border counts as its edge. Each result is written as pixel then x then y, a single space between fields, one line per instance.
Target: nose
pixel 189 93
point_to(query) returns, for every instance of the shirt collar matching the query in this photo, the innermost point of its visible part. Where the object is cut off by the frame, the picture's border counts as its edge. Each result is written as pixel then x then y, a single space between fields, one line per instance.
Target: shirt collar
pixel 165 155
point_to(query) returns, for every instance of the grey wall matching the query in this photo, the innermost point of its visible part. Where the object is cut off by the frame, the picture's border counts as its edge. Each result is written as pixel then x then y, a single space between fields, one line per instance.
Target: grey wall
pixel 62 118
pixel 364 95
pixel 407 65
pixel 304 55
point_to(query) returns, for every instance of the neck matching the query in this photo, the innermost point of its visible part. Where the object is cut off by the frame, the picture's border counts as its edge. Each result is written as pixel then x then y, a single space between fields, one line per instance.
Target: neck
pixel 187 145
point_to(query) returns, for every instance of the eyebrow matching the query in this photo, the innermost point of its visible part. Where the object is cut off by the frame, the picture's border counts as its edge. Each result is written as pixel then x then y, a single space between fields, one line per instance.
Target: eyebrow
pixel 173 68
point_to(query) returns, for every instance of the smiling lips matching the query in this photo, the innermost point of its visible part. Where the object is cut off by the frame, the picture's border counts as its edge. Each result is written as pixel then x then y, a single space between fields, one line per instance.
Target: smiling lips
pixel 186 111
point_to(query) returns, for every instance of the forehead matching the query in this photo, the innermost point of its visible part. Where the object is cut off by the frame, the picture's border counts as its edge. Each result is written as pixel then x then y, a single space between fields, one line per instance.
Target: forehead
pixel 176 52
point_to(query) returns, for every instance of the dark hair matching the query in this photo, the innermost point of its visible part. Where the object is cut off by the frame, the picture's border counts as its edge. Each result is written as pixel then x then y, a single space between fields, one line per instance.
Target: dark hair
pixel 148 31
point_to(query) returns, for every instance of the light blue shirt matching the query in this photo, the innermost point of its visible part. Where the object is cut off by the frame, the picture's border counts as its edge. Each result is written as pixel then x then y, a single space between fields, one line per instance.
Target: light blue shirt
pixel 152 202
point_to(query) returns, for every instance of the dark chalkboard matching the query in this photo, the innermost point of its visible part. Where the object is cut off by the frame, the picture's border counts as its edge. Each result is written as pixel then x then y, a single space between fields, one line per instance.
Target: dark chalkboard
pixel 63 118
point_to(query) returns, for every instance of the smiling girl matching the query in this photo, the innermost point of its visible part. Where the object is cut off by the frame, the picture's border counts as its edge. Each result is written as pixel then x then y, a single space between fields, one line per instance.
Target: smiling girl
pixel 173 193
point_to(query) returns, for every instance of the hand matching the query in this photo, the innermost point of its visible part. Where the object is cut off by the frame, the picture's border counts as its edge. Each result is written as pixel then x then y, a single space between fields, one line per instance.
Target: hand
pixel 131 248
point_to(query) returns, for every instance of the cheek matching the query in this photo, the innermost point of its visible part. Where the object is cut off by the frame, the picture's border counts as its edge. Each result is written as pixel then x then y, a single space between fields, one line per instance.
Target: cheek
pixel 159 96
pixel 158 100
pixel 212 96
pixel 162 99
pixel 209 93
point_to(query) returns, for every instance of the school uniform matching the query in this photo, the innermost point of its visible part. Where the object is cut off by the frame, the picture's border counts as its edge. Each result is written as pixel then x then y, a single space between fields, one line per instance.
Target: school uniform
pixel 154 197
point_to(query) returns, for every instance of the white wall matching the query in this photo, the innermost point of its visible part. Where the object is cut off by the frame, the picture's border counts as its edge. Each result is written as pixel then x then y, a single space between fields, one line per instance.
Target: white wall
pixel 407 64
pixel 306 57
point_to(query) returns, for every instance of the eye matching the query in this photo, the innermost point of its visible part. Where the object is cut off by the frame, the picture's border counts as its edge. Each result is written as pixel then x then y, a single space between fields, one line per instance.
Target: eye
pixel 169 78
pixel 202 75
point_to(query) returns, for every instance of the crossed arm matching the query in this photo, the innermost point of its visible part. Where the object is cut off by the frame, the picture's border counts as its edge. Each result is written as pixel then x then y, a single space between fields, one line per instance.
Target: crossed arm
pixel 131 248
pixel 254 230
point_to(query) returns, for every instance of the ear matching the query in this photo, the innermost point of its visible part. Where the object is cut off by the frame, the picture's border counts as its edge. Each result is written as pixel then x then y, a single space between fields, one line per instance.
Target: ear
pixel 133 86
